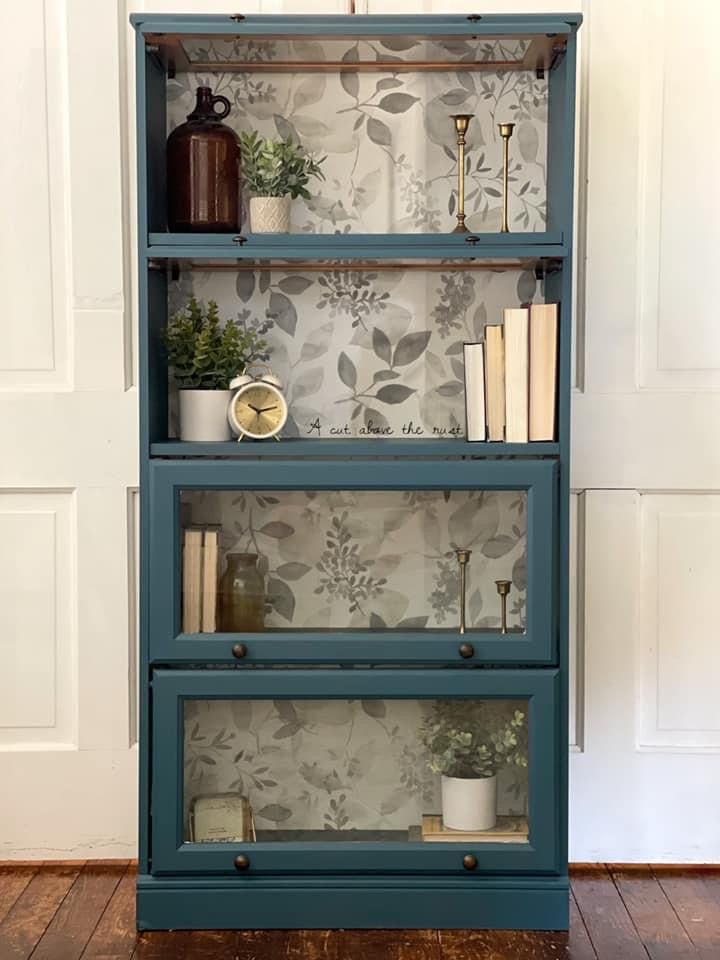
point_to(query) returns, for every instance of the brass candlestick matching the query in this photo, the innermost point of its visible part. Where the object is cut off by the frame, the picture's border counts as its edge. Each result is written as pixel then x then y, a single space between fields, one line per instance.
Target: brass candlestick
pixel 506 131
pixel 503 588
pixel 462 121
pixel 463 558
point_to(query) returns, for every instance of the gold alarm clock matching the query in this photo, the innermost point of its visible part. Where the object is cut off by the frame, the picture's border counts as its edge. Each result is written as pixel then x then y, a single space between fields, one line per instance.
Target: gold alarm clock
pixel 257 407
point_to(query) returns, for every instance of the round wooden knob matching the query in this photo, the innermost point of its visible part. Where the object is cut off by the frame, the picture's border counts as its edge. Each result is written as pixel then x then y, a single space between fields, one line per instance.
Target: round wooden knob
pixel 242 862
pixel 469 861
pixel 239 651
pixel 466 650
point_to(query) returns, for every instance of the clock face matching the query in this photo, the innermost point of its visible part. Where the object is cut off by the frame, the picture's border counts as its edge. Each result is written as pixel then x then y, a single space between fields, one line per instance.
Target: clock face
pixel 259 410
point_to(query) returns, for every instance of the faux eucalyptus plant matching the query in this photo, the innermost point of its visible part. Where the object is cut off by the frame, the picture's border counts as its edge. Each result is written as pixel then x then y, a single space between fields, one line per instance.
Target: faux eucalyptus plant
pixel 204 352
pixel 474 739
pixel 277 168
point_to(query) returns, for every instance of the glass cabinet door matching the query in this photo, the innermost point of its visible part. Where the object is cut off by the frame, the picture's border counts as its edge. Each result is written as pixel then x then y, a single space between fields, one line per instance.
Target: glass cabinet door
pixel 354 562
pixel 365 778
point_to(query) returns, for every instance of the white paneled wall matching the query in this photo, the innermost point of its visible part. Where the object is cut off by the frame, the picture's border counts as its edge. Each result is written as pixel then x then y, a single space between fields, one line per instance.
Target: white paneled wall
pixel 645 724
pixel 645 451
pixel 68 435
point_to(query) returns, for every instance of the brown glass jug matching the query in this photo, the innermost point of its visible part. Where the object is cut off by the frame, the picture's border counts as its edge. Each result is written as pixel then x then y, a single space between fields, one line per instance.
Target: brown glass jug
pixel 203 167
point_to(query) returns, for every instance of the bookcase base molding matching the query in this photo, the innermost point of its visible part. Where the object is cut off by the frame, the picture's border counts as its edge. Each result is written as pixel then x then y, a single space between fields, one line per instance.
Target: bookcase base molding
pixel 252 903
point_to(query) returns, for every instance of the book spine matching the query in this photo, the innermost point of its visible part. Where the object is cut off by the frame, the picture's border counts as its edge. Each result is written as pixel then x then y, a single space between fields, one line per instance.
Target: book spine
pixel 495 382
pixel 192 560
pixel 543 371
pixel 474 358
pixel 209 581
pixel 515 322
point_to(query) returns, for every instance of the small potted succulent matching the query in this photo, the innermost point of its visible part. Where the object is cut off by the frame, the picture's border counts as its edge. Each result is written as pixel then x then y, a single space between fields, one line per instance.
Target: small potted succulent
pixel 205 354
pixel 468 743
pixel 275 172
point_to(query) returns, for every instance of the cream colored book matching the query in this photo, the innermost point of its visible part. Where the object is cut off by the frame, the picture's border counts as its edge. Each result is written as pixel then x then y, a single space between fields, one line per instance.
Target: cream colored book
pixel 543 370
pixel 495 382
pixel 209 581
pixel 192 572
pixel 515 323
pixel 474 358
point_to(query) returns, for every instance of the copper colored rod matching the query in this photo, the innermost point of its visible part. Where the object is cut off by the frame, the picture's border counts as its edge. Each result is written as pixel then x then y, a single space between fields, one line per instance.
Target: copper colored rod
pixel 315 267
pixel 339 66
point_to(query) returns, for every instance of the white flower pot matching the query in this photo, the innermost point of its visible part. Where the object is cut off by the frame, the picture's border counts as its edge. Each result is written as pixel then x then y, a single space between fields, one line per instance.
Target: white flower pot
pixel 203 415
pixel 270 214
pixel 469 804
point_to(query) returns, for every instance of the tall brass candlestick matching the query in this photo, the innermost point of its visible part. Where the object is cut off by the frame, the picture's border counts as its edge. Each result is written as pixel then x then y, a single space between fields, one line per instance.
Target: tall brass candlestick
pixel 463 558
pixel 462 121
pixel 506 131
pixel 503 588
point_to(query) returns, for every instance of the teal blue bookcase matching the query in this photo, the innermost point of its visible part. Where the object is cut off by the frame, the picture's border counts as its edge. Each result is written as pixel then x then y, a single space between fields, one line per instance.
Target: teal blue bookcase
pixel 335 707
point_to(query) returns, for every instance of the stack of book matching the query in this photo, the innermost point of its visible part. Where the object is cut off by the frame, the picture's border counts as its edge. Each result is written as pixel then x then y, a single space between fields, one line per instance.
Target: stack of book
pixel 200 580
pixel 511 378
pixel 506 830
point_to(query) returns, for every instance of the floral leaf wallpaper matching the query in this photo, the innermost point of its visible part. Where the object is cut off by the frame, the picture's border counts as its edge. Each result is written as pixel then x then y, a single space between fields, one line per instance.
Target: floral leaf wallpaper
pixel 364 558
pixel 388 138
pixel 323 764
pixel 365 353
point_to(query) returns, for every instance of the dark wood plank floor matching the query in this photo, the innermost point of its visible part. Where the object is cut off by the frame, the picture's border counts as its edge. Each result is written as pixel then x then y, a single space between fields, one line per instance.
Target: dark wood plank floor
pixel 69 911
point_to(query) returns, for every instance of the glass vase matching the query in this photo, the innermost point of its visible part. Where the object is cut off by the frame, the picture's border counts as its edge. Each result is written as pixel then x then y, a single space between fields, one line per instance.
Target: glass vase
pixel 241 595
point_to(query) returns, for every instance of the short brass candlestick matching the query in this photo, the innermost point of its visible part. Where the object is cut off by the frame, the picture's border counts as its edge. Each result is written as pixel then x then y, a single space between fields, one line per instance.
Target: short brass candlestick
pixel 462 121
pixel 463 558
pixel 503 588
pixel 506 131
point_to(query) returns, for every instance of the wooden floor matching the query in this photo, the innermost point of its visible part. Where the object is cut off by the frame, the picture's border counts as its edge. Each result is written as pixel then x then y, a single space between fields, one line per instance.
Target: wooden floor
pixel 72 910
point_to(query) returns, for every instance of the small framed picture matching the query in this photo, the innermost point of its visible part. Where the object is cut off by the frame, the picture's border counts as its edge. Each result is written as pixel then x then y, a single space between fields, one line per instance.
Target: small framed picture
pixel 221 818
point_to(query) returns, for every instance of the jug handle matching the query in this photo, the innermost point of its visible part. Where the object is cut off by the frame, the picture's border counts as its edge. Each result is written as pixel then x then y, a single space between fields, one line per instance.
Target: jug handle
pixel 226 106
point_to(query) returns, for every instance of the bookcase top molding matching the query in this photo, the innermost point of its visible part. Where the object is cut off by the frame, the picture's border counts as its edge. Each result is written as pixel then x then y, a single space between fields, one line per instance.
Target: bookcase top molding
pixel 232 43
pixel 357 25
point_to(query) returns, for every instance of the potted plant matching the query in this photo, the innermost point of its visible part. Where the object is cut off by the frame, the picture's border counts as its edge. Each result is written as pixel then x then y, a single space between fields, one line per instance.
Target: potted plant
pixel 469 742
pixel 275 172
pixel 205 354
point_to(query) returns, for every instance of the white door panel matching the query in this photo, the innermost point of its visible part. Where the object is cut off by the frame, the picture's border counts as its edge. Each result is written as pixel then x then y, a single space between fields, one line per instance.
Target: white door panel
pixel 645 428
pixel 68 438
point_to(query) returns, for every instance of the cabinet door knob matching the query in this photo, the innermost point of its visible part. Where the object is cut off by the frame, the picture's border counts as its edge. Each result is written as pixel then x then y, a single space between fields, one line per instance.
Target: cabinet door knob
pixel 469 861
pixel 466 650
pixel 242 862
pixel 239 651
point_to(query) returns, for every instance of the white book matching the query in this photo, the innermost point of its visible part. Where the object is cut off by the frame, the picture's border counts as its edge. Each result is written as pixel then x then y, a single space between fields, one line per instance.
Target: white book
pixel 474 358
pixel 209 581
pixel 515 321
pixel 495 381
pixel 543 370
pixel 192 569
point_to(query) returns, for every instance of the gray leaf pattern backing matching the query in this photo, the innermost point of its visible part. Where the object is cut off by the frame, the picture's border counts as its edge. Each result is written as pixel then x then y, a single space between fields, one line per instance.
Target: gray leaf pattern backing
pixel 390 143
pixel 365 353
pixel 322 764
pixel 363 558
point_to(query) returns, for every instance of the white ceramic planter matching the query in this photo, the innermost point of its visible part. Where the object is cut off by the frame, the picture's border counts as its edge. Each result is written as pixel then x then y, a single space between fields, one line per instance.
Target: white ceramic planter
pixel 270 214
pixel 469 804
pixel 203 415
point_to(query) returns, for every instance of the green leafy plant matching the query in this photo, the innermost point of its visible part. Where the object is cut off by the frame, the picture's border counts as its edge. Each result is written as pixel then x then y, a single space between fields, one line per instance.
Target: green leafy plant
pixel 277 168
pixel 474 739
pixel 206 353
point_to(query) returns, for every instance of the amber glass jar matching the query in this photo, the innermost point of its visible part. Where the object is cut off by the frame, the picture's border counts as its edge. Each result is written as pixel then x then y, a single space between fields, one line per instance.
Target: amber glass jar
pixel 203 169
pixel 241 595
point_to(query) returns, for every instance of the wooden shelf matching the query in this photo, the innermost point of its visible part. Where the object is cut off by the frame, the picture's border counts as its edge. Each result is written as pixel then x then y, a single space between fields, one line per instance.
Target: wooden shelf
pixel 406 448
